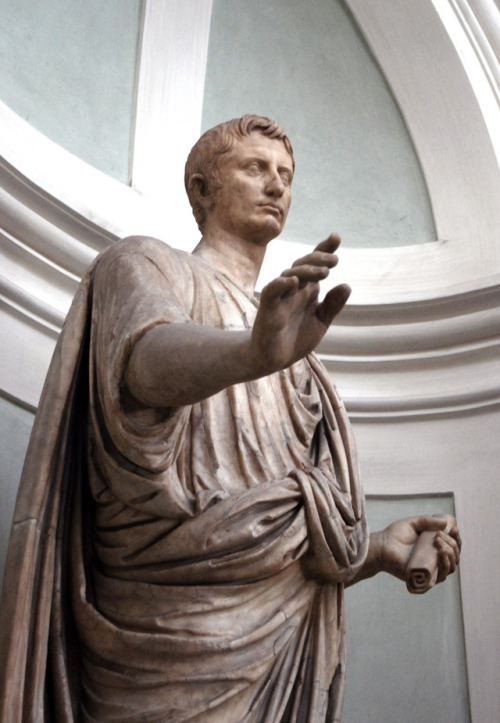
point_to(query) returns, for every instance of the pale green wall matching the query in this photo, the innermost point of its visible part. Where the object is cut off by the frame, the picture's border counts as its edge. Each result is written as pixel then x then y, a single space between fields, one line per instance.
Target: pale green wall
pixel 405 653
pixel 68 68
pixel 305 64
pixel 15 429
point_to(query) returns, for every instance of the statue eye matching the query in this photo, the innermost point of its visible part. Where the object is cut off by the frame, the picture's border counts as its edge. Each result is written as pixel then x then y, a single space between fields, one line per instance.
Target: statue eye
pixel 254 168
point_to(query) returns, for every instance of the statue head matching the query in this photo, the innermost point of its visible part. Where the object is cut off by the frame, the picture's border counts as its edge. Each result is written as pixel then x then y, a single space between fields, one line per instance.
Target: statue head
pixel 202 166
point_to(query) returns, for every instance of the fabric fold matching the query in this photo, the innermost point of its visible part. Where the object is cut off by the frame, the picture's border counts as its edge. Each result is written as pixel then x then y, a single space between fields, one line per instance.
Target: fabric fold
pixel 190 561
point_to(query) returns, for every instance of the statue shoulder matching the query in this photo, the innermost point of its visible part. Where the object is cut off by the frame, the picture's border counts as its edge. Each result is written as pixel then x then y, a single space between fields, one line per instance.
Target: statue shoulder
pixel 145 245
pixel 143 265
pixel 134 249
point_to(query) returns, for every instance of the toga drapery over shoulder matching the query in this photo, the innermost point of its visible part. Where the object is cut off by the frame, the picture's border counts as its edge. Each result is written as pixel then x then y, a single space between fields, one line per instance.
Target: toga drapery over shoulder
pixel 178 564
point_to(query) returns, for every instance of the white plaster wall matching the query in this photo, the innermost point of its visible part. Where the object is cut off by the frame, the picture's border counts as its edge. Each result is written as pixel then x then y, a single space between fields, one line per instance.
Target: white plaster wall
pixel 415 355
pixel 458 453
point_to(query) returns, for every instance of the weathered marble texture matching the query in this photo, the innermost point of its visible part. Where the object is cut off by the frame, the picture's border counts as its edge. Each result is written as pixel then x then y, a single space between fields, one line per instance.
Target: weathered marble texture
pixel 216 587
pixel 190 508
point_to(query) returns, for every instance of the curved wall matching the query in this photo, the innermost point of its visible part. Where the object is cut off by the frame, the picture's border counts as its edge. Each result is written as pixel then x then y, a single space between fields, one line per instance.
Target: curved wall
pixel 416 353
pixel 68 68
pixel 308 67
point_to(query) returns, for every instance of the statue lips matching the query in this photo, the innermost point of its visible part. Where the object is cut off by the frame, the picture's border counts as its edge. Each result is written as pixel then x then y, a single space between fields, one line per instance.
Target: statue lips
pixel 272 208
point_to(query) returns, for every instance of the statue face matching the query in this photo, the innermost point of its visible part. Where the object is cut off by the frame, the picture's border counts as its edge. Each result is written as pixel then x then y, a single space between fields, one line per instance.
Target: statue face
pixel 255 196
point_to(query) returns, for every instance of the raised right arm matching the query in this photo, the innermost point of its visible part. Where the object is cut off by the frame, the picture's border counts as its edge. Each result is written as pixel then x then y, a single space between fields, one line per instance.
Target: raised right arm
pixel 174 365
pixel 178 364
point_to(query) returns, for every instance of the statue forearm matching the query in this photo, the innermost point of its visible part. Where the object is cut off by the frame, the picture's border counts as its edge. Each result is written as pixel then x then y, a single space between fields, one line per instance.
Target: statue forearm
pixel 178 364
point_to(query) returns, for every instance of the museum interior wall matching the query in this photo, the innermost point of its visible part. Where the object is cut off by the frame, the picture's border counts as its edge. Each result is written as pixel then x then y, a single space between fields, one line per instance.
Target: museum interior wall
pixel 393 111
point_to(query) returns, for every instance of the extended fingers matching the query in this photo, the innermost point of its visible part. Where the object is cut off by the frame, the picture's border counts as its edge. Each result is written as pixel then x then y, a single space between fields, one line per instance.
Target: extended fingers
pixel 330 244
pixel 316 265
pixel 323 254
pixel 273 292
pixel 307 273
pixel 317 258
pixel 333 303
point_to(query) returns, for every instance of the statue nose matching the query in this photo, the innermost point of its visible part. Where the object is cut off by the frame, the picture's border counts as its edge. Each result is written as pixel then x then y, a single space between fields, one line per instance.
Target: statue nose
pixel 276 187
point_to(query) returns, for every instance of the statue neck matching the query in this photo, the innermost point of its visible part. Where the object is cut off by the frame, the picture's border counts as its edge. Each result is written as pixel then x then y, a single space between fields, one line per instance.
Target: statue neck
pixel 237 258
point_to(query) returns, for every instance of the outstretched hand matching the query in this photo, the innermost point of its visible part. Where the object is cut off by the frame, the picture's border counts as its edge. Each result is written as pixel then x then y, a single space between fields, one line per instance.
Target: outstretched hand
pixel 399 539
pixel 291 322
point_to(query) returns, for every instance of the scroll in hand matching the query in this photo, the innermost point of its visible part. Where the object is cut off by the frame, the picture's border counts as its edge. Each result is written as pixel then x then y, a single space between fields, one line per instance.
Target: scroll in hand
pixel 422 571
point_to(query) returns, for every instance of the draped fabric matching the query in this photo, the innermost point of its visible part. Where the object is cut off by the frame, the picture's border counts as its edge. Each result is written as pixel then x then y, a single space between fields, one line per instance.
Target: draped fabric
pixel 196 555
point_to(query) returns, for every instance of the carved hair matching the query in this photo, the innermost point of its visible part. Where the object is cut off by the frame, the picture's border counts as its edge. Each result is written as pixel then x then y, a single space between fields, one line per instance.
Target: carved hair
pixel 202 165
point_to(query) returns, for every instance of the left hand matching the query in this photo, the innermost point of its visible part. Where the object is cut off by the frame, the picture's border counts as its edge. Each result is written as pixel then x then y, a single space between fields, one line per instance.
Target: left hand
pixel 399 538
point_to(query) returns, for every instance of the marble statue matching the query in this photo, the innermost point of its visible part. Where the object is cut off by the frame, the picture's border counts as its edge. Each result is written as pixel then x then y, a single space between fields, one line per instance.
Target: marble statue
pixel 190 509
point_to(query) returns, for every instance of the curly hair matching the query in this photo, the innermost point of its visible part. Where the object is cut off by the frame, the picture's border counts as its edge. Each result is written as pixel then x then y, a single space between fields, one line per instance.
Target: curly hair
pixel 204 157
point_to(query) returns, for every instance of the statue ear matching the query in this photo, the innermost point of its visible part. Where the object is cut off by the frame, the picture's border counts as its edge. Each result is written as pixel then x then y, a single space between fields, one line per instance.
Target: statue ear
pixel 198 186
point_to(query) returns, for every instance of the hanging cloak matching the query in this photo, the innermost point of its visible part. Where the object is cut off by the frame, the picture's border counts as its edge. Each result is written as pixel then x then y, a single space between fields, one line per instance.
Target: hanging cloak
pixel 178 564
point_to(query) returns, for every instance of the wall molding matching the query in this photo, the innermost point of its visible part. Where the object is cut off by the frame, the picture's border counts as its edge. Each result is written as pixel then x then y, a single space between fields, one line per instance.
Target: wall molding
pixel 421 336
pixel 405 299
pixel 412 360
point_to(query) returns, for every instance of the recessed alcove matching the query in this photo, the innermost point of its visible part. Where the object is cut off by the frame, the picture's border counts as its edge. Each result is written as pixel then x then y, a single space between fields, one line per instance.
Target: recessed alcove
pixel 416 353
pixel 307 66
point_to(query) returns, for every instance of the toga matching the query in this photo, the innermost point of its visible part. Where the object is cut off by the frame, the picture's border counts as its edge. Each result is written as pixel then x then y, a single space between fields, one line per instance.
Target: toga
pixel 178 564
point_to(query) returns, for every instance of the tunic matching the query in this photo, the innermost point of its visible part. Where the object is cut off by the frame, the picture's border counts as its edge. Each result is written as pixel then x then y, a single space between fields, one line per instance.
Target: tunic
pixel 199 552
